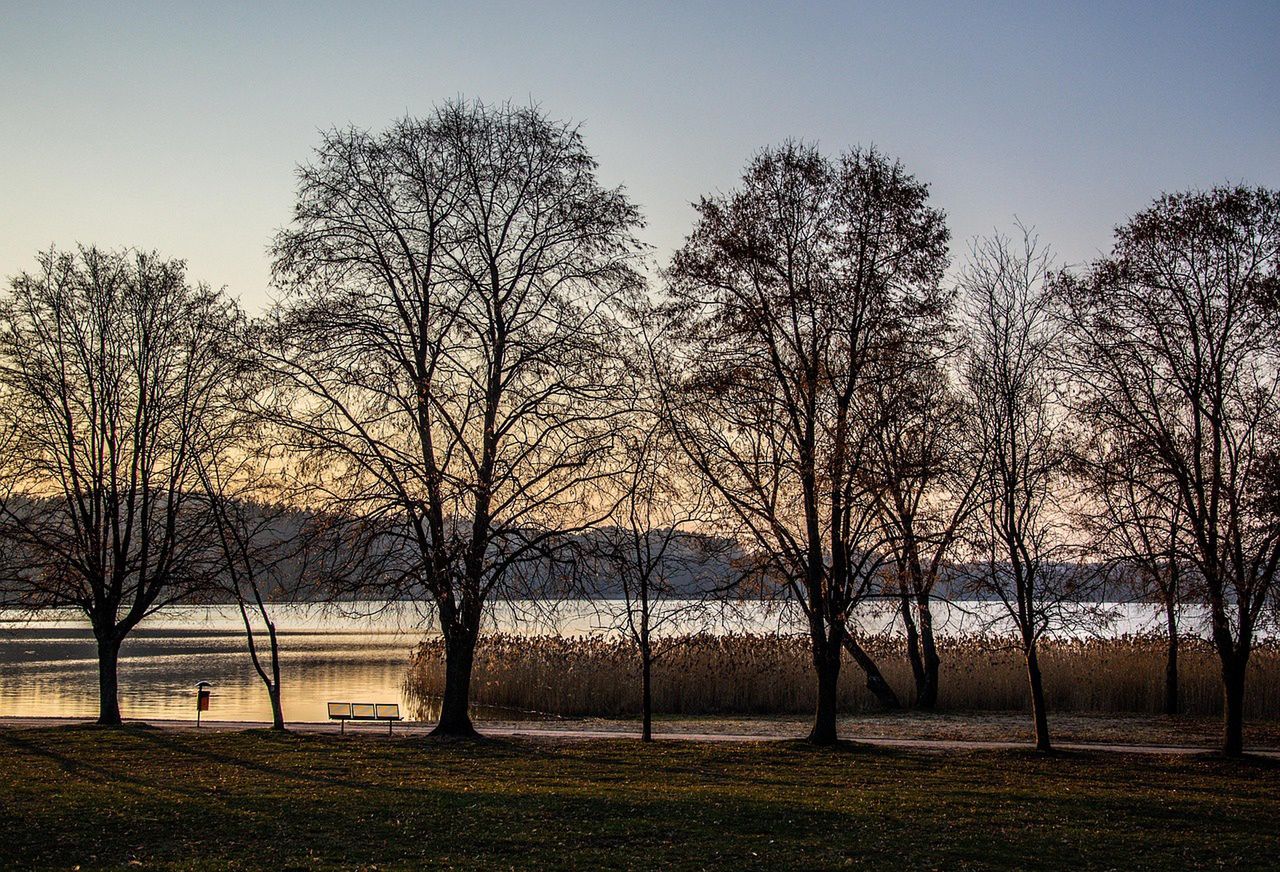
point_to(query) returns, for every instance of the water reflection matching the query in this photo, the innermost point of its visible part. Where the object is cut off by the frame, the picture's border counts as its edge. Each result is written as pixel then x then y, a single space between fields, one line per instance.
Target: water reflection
pixel 55 673
pixel 357 653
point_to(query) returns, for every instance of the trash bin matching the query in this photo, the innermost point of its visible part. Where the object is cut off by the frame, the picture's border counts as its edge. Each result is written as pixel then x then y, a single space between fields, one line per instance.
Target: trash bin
pixel 202 699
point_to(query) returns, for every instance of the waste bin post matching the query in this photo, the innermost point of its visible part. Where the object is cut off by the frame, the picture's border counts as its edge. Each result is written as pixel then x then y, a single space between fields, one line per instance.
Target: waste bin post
pixel 202 699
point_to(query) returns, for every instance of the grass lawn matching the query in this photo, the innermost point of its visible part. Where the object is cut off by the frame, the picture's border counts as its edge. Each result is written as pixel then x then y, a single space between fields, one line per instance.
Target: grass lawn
pixel 151 798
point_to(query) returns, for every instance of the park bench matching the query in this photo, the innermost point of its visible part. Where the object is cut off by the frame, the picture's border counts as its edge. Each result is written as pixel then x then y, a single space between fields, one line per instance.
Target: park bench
pixel 364 711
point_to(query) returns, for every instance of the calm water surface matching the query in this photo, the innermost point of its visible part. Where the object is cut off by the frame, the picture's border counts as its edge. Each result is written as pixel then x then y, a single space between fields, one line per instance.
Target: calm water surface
pixel 359 654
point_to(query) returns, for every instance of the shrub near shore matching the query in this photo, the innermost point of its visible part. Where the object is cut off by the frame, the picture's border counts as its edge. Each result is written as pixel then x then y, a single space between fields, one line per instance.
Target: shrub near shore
pixel 772 674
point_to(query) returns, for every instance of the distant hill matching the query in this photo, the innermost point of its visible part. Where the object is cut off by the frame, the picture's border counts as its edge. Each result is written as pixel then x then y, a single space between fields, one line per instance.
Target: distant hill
pixel 348 559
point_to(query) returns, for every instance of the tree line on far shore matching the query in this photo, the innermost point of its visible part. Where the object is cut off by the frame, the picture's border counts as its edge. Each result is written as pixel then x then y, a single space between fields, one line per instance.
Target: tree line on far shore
pixel 473 382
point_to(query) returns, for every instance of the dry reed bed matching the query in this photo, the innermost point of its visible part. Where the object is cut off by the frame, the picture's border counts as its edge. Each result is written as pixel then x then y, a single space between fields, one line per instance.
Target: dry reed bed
pixel 771 674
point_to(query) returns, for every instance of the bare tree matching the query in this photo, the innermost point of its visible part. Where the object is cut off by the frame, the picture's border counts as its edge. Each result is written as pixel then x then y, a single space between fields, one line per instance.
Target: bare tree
pixel 1018 536
pixel 450 350
pixel 923 470
pixel 263 542
pixel 786 293
pixel 643 559
pixel 1134 519
pixel 655 553
pixel 113 364
pixel 1176 353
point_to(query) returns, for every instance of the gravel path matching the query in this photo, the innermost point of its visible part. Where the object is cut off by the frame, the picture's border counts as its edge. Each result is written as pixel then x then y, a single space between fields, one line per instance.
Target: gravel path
pixel 577 733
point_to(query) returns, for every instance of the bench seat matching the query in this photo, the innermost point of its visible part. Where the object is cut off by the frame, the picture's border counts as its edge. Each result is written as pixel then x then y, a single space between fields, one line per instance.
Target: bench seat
pixel 365 711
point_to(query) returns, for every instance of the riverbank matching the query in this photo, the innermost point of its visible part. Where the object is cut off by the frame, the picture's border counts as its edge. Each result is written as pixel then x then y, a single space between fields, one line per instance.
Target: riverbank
pixel 217 799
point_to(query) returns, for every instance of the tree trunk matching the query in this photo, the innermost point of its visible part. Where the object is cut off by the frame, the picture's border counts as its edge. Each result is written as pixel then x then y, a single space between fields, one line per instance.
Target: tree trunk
pixel 646 697
pixel 1038 713
pixel 1233 676
pixel 827 666
pixel 927 690
pixel 270 682
pixel 913 644
pixel 875 680
pixel 108 681
pixel 455 716
pixel 1171 661
pixel 277 709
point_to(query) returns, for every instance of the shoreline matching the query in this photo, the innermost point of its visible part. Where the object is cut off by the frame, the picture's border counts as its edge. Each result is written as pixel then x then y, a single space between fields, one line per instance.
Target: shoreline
pixel 709 730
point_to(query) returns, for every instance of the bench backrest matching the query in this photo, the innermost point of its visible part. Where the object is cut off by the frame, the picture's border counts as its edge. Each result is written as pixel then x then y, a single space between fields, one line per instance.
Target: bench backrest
pixel 364 711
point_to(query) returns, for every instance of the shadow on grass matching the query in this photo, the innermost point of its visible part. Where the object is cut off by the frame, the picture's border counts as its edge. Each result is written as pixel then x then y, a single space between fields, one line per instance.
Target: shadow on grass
pixel 844 747
pixel 199 751
pixel 280 744
pixel 1248 762
pixel 92 771
pixel 618 803
pixel 497 810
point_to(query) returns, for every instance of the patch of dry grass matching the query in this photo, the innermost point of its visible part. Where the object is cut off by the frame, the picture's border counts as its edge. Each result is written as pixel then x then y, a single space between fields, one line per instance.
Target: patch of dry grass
pixel 772 674
pixel 159 799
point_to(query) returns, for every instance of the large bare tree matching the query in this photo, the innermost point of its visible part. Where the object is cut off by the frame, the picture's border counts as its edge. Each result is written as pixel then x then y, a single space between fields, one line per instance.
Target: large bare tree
pixel 450 350
pixel 113 365
pixel 1177 354
pixel 786 293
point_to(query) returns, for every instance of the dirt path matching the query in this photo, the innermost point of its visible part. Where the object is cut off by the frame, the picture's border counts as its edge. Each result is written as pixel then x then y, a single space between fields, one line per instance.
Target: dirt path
pixel 578 733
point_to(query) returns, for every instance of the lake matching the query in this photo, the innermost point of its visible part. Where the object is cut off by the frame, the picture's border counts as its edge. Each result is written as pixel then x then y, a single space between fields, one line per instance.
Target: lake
pixel 357 653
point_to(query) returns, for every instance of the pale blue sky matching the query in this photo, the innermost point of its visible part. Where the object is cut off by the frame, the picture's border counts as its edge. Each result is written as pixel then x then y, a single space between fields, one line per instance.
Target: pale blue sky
pixel 177 126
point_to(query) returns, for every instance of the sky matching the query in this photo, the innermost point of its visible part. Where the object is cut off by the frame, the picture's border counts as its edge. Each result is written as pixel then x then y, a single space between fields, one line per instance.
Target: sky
pixel 178 126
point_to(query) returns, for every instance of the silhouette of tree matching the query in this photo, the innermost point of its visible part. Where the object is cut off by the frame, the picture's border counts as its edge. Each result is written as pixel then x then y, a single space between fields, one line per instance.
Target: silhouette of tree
pixel 1176 354
pixel 922 469
pixel 655 551
pixel 1133 518
pixel 786 293
pixel 114 367
pixel 450 351
pixel 1018 535
pixel 264 543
